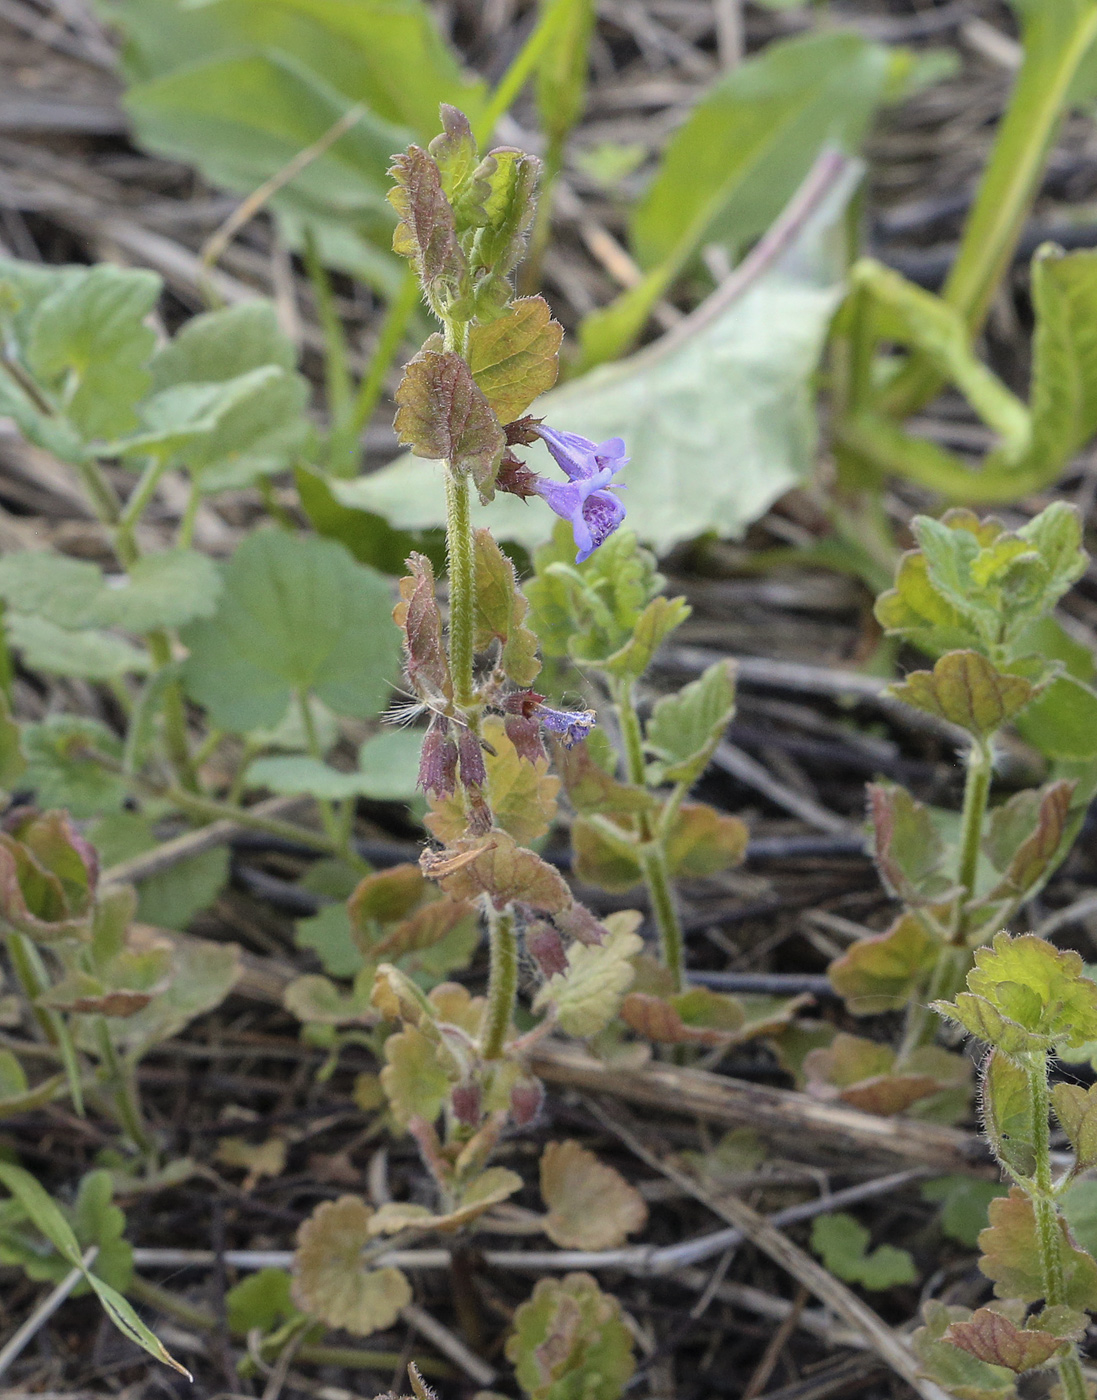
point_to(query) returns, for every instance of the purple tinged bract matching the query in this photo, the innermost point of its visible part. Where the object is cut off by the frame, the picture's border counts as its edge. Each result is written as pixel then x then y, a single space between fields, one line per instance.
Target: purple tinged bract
pixel 586 501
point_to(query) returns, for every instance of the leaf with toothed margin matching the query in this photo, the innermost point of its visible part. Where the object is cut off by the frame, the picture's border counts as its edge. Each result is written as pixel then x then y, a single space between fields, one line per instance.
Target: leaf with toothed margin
pixel 881 973
pixel 501 611
pixel 1011 1255
pixel 521 795
pixel 514 358
pixel 908 849
pixel 496 865
pixel 569 1339
pixel 590 1204
pixel 684 728
pixel 1025 995
pixel 587 996
pixel 962 1374
pixel 427 233
pixel 966 689
pixel 442 414
pixel 330 1280
pixel 1076 1110
pixel 992 1338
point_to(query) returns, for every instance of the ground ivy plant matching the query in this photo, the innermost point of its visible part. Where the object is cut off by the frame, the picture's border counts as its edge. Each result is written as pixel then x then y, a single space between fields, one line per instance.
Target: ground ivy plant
pixel 1027 1002
pixel 979 597
pixel 455 1073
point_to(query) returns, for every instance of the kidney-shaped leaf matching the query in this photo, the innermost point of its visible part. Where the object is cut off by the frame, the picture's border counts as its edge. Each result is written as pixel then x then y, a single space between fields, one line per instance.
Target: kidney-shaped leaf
pixel 298 615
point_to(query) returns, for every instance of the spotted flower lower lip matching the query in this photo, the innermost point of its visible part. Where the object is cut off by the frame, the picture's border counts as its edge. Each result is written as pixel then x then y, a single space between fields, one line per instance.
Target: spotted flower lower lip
pixel 585 500
pixel 571 726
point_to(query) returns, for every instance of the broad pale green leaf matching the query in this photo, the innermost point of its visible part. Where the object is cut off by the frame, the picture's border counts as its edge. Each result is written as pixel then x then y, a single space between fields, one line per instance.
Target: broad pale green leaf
pixel 52 586
pixel 59 775
pixel 203 974
pixel 1079 1203
pixel 90 654
pixel 239 88
pixel 88 345
pixel 172 898
pixel 161 590
pixel 730 168
pixel 387 54
pixel 220 345
pixel 298 615
pixel 717 424
pixel 227 434
pixel 241 117
pixel 389 771
pixel 389 765
pixel 328 935
pixel 298 773
pixel 1062 720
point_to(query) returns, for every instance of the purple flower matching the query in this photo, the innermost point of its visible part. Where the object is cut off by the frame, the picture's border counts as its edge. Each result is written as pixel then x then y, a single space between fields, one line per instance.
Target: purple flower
pixel 585 502
pixel 570 725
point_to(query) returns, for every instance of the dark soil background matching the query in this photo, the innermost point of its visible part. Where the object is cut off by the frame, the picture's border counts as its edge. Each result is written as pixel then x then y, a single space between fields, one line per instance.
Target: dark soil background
pixel 74 188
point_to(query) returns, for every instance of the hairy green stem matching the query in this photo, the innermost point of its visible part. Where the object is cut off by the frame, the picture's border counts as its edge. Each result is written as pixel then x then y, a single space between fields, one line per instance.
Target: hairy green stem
pixel 951 967
pixel 972 815
pixel 502 981
pixel 1049 1234
pixel 653 862
pixel 653 851
pixel 462 586
pixel 26 963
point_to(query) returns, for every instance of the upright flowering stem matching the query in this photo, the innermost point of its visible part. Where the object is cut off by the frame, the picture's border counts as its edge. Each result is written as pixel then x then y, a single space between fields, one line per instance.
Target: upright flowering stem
pixel 502 981
pixel 652 852
pixel 462 586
